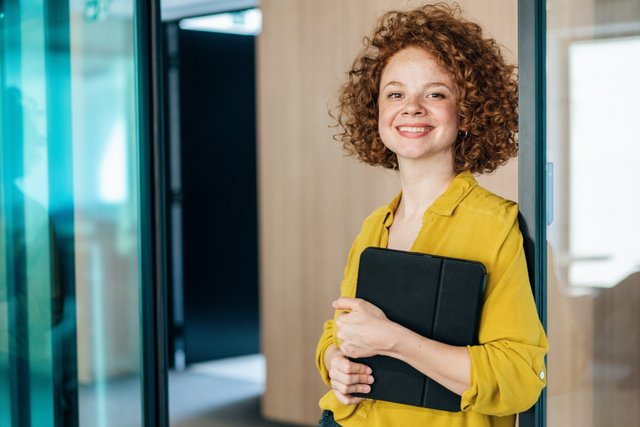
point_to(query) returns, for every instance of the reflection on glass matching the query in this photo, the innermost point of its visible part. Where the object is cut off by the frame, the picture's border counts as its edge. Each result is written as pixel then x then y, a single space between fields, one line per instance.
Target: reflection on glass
pixel 603 150
pixel 593 62
pixel 69 277
pixel 106 217
pixel 29 324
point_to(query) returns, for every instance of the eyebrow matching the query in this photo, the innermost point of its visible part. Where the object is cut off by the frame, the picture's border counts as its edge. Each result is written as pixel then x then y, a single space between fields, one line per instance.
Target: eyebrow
pixel 396 83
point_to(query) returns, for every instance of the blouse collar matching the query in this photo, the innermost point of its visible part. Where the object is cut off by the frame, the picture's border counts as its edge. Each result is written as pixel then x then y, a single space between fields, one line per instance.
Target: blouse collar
pixel 446 203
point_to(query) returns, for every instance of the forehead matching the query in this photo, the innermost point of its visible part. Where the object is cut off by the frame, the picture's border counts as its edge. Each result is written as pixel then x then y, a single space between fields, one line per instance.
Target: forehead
pixel 414 63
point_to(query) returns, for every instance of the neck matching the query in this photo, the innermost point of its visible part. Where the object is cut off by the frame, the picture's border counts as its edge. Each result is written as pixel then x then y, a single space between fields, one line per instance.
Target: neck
pixel 421 186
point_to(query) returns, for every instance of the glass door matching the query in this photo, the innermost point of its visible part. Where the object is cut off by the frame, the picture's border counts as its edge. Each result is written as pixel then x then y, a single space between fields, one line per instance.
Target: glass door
pixel 70 276
pixel 593 270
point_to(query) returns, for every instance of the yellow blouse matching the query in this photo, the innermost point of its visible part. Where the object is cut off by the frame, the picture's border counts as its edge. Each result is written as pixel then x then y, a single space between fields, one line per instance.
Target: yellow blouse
pixel 507 367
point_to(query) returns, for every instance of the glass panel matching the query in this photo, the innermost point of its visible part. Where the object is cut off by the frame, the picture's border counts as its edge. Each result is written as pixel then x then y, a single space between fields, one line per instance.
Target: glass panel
pixel 106 215
pixel 27 287
pixel 593 60
pixel 69 276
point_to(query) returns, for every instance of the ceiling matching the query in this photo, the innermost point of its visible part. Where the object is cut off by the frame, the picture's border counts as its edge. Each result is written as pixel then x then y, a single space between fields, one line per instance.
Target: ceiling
pixel 171 9
pixel 177 9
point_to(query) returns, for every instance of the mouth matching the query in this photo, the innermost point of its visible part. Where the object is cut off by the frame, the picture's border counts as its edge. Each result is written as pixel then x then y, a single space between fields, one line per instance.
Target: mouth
pixel 414 130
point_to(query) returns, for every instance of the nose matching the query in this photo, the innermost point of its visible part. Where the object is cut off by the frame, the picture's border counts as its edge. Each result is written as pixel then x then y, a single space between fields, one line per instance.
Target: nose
pixel 414 107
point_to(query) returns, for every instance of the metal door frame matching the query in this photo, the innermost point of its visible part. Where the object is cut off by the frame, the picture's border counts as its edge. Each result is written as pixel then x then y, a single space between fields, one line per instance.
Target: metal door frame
pixel 153 289
pixel 532 164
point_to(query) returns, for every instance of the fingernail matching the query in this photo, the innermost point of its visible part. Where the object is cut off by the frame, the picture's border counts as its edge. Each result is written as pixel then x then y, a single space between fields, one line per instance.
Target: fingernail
pixel 369 371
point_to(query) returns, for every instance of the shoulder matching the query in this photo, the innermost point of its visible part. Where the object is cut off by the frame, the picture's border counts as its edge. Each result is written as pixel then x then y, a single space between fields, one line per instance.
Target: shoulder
pixel 378 215
pixel 381 215
pixel 490 206
pixel 483 216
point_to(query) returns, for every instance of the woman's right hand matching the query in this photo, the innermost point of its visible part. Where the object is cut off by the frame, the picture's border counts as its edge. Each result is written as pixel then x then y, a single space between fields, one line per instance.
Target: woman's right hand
pixel 347 377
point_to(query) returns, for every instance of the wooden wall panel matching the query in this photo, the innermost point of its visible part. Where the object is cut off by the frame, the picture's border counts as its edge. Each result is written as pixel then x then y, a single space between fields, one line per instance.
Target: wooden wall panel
pixel 312 198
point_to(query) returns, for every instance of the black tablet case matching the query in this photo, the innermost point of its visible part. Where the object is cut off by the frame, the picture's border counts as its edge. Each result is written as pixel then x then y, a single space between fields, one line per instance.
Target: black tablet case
pixel 436 297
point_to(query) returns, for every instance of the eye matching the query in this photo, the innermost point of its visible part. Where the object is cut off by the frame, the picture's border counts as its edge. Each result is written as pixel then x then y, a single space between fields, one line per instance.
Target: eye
pixel 436 95
pixel 394 95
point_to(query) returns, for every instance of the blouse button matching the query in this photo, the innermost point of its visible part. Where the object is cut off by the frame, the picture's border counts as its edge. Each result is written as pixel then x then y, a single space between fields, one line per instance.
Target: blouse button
pixel 541 375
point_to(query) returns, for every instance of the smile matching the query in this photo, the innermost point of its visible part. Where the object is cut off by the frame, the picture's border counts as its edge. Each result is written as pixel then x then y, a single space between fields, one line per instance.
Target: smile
pixel 414 129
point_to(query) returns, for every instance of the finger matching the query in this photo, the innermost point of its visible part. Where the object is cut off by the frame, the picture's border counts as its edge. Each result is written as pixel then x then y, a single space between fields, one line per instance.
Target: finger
pixel 346 399
pixel 363 377
pixel 348 367
pixel 344 303
pixel 350 388
pixel 350 379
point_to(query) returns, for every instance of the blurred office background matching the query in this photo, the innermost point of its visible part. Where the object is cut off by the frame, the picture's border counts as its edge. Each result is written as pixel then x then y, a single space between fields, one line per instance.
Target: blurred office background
pixel 593 56
pixel 70 239
pixel 261 206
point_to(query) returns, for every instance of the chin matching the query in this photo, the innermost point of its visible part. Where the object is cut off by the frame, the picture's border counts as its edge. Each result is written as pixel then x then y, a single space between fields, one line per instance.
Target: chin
pixel 412 155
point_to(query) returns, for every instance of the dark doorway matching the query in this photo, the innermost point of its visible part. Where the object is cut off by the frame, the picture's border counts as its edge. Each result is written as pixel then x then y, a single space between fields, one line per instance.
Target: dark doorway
pixel 212 199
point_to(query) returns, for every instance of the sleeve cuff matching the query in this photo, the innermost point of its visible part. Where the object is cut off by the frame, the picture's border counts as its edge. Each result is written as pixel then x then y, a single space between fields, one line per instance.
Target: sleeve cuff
pixel 325 341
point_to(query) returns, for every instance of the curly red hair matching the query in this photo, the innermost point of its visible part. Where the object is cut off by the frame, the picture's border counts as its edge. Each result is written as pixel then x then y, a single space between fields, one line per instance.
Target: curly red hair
pixel 487 88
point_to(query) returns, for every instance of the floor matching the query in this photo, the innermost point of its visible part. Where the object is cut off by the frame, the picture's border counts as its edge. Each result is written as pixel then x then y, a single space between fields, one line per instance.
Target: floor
pixel 224 393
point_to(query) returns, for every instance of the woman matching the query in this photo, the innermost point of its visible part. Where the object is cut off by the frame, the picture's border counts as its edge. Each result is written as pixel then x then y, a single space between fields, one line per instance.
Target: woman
pixel 432 98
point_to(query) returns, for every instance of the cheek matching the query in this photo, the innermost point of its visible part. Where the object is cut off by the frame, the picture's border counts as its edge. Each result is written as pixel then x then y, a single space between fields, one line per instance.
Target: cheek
pixel 384 126
pixel 450 117
pixel 385 117
pixel 381 121
pixel 381 112
pixel 453 113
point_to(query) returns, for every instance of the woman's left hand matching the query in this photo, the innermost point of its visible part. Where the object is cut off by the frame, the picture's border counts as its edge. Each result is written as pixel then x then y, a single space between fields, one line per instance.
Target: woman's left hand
pixel 362 330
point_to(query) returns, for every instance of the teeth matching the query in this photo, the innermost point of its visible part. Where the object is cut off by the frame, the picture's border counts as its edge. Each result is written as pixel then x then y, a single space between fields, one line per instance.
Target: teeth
pixel 412 129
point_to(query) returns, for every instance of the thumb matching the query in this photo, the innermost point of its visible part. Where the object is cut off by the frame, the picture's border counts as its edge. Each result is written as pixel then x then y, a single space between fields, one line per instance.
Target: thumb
pixel 344 303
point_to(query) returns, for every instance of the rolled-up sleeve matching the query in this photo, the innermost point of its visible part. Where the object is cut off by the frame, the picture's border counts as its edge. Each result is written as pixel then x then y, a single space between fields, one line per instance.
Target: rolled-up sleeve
pixel 326 339
pixel 347 289
pixel 507 367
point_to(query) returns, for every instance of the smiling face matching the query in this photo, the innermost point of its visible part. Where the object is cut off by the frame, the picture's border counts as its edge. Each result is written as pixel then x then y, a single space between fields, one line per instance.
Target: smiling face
pixel 417 113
